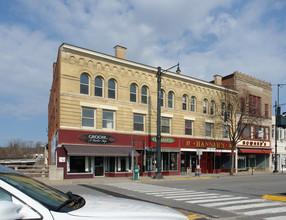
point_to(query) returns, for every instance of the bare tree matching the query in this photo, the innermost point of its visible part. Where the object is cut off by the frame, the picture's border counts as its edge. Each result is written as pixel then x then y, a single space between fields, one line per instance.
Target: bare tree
pixel 236 113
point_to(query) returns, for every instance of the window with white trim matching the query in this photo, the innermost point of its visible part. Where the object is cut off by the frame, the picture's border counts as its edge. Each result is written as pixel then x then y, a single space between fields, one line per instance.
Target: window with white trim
pixel 111 89
pixel 84 83
pixel 170 100
pixel 144 95
pixel 87 119
pixel 209 129
pixel 98 86
pixel 133 92
pixel 108 119
pixel 193 104
pixel 166 125
pixel 188 127
pixel 138 122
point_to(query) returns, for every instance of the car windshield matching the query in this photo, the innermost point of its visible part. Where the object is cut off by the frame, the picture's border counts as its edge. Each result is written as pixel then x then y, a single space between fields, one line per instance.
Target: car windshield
pixel 46 195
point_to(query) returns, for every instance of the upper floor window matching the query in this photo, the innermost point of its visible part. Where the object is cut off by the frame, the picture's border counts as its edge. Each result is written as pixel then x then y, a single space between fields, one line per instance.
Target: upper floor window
pixel 225 131
pixel 193 103
pixel 144 95
pixel 161 97
pixel 185 102
pixel 188 127
pixel 138 122
pixel 212 108
pixel 266 111
pixel 254 105
pixel 205 106
pixel 170 100
pixel 166 125
pixel 98 86
pixel 209 128
pixel 111 89
pixel 84 84
pixel 133 92
pixel 87 118
pixel 107 119
pixel 223 111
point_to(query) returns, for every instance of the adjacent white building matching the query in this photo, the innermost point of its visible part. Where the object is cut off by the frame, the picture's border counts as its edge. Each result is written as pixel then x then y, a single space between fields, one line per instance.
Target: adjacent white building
pixel 281 146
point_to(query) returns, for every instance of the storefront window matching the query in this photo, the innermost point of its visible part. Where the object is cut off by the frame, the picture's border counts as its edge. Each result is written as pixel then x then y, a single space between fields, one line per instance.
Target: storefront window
pixel 150 161
pixel 79 164
pixel 118 164
pixel 170 161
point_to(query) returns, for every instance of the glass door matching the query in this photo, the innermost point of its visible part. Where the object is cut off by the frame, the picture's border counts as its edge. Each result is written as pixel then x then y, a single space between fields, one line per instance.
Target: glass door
pixel 98 166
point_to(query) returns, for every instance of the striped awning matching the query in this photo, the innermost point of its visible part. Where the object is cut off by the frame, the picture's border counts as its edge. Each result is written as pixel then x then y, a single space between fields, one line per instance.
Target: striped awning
pixel 100 151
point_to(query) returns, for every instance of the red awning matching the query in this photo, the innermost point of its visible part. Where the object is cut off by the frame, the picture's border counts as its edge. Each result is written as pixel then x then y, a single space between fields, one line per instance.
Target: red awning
pixel 103 151
pixel 255 151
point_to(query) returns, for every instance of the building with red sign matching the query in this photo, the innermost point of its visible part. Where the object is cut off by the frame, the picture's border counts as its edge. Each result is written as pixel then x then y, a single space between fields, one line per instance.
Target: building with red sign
pixel 103 117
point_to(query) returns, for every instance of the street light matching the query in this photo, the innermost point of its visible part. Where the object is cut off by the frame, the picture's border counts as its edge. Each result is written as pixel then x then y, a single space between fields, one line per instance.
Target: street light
pixel 277 112
pixel 158 174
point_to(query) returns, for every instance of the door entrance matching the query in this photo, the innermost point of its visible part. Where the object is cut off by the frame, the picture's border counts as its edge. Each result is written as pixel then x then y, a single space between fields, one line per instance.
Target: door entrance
pixel 98 166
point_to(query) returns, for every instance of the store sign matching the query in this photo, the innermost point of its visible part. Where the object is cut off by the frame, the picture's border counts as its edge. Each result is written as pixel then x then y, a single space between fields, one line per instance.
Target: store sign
pixel 97 138
pixel 163 140
pixel 207 144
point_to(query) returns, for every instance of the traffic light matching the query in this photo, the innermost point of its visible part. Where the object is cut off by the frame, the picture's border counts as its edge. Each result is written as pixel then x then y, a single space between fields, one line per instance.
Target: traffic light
pixel 281 119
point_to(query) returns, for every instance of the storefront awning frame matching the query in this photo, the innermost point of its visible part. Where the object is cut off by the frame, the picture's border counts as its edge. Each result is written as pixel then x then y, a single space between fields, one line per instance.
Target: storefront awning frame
pixel 256 151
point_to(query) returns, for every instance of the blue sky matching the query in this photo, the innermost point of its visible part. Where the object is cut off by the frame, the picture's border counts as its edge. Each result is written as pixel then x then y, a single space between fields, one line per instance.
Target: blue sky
pixel 206 37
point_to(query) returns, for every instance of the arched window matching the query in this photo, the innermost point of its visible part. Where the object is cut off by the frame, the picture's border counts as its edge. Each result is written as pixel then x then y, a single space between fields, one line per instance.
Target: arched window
pixel 185 102
pixel 144 95
pixel 84 84
pixel 133 92
pixel 111 89
pixel 205 106
pixel 170 100
pixel 212 107
pixel 193 103
pixel 161 97
pixel 98 86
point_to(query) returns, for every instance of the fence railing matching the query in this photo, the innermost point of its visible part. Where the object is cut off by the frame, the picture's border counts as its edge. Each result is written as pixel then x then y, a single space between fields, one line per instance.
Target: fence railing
pixel 32 170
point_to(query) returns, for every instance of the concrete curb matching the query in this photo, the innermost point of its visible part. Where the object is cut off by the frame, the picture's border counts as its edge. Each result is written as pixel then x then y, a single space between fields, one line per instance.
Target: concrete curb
pixel 274 198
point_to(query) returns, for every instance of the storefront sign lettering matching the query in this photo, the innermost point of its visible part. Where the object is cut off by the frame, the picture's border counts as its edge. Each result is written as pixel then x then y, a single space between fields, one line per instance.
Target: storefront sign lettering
pixel 97 138
pixel 207 144
pixel 163 140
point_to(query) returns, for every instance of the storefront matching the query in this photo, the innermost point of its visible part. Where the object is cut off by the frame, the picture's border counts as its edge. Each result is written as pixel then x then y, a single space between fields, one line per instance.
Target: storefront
pixel 254 155
pixel 88 155
pixel 211 156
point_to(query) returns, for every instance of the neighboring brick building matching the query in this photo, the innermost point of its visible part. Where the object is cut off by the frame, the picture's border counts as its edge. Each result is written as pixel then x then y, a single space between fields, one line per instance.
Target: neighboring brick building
pixel 101 107
pixel 255 147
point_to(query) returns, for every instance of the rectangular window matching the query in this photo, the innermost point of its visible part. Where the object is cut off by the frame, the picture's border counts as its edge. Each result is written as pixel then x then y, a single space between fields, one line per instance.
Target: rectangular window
pixel 79 164
pixel 209 129
pixel 170 161
pixel 266 133
pixel 188 127
pixel 166 125
pixel 246 131
pixel 266 110
pixel 107 119
pixel 138 122
pixel 225 132
pixel 87 117
pixel 254 105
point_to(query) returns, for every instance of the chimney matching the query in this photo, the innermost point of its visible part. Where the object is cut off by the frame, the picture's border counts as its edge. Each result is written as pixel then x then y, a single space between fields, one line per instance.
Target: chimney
pixel 218 80
pixel 120 52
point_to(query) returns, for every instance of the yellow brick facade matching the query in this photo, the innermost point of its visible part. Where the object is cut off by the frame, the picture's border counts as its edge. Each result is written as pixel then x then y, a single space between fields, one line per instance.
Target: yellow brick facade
pixel 73 64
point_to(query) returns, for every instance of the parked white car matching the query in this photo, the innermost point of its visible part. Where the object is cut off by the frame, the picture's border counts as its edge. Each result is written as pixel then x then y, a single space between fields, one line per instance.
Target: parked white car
pixel 22 197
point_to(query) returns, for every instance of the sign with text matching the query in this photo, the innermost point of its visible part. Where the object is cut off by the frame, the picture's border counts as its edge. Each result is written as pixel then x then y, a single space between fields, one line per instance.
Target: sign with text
pixel 200 143
pixel 163 140
pixel 97 138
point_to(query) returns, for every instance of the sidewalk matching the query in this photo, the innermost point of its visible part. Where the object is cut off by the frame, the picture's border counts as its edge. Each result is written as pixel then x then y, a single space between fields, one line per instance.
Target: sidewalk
pixel 106 180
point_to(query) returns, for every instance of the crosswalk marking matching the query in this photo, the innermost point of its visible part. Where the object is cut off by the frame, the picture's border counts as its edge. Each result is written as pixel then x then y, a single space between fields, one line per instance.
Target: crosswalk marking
pixel 249 206
pixel 214 200
pixel 216 204
pixel 266 211
pixel 230 203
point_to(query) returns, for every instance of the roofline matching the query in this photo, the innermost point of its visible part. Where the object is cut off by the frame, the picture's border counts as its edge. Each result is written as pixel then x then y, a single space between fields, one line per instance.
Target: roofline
pixel 140 65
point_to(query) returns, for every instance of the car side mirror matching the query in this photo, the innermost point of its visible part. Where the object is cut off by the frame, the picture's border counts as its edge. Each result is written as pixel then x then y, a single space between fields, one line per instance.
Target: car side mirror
pixel 10 211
